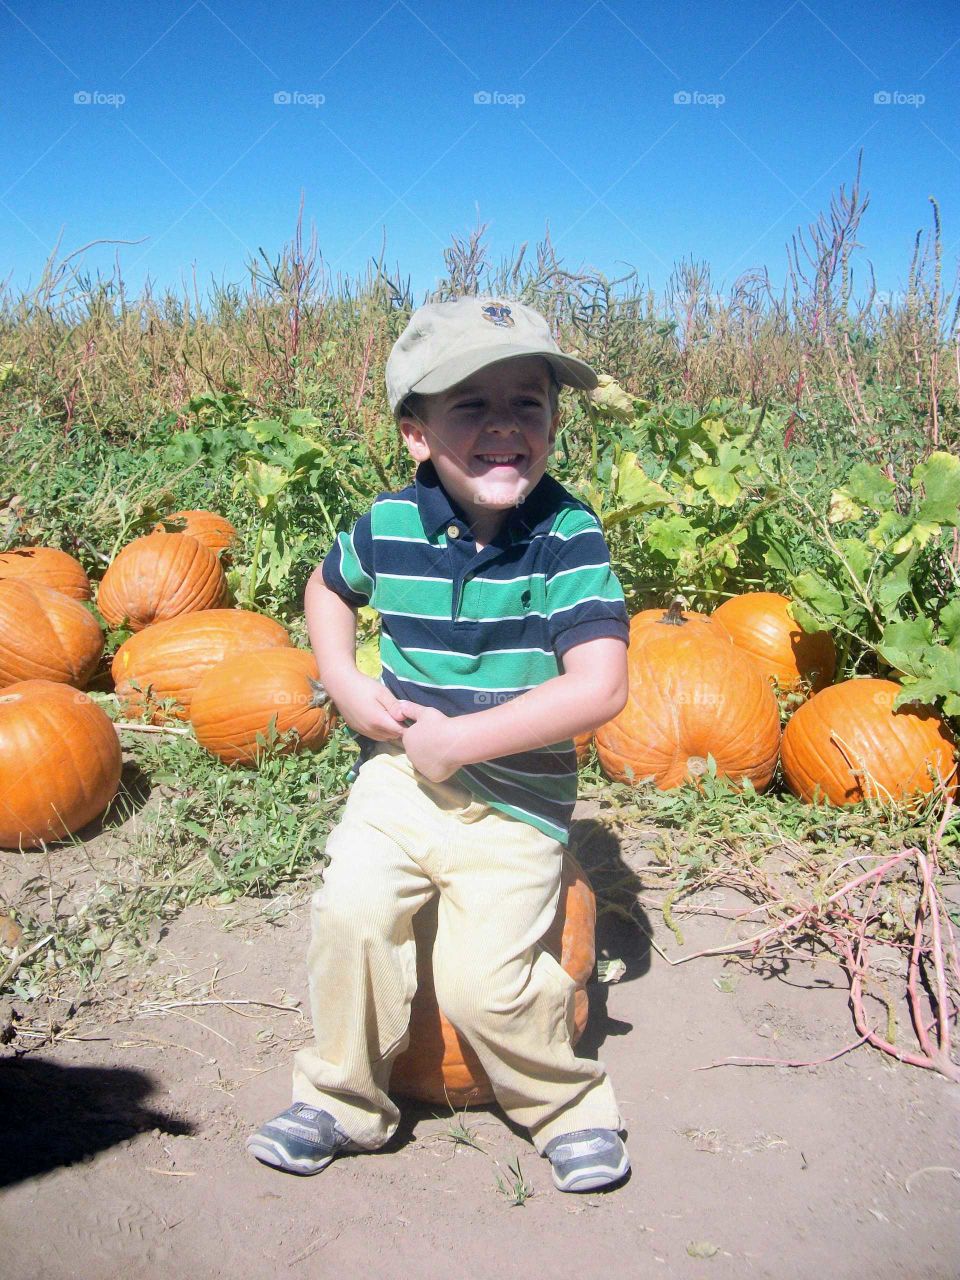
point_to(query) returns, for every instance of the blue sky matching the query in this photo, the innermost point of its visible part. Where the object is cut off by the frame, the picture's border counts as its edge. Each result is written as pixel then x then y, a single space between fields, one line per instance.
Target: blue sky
pixel 384 136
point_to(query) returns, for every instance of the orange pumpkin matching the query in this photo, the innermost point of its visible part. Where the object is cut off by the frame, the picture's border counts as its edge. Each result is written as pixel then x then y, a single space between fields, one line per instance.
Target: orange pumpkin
pixel 209 528
pixel 45 635
pixel 49 567
pixel 692 694
pixel 581 743
pixel 171 658
pixel 59 762
pixel 438 1065
pixel 238 699
pixel 848 743
pixel 160 576
pixel 759 622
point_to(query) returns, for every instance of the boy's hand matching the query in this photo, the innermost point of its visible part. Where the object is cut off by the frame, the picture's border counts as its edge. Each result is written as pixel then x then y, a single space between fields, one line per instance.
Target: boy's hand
pixel 429 742
pixel 368 707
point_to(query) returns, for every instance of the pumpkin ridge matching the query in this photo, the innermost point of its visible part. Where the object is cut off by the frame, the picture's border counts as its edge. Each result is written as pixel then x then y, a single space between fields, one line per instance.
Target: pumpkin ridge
pixel 201 585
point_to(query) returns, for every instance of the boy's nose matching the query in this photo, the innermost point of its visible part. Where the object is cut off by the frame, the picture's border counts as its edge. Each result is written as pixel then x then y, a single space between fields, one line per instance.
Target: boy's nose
pixel 502 421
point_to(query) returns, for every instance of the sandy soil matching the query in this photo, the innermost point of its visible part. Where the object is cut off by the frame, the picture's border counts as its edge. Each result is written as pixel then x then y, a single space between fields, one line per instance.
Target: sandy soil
pixel 124 1149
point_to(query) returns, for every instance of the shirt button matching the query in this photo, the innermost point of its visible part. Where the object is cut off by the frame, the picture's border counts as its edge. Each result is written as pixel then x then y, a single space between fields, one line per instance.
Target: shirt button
pixel 453 531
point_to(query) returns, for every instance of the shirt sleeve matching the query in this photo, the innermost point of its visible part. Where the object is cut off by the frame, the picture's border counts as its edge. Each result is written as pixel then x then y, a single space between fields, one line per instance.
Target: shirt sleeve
pixel 347 567
pixel 584 598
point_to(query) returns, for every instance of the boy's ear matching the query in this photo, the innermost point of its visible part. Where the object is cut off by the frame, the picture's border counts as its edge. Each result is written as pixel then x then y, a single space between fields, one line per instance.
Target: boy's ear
pixel 415 438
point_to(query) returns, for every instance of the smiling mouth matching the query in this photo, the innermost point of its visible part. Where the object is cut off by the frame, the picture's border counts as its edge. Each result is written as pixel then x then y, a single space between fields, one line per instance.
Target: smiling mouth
pixel 500 459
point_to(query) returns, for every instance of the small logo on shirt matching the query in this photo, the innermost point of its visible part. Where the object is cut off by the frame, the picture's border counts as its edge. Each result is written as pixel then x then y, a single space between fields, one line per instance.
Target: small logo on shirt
pixel 498 313
pixel 525 600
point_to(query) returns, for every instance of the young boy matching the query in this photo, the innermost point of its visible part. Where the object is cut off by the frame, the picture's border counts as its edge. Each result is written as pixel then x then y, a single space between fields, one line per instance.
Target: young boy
pixel 503 634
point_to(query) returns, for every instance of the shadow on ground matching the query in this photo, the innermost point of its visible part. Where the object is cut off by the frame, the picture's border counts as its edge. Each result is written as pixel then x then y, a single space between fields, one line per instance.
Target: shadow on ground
pixel 58 1115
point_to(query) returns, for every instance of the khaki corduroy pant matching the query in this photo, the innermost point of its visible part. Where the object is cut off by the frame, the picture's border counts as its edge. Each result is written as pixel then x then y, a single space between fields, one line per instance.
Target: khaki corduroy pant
pixel 401 840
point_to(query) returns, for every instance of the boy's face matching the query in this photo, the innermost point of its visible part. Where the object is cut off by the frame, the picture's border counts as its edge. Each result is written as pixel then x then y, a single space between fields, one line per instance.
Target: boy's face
pixel 489 437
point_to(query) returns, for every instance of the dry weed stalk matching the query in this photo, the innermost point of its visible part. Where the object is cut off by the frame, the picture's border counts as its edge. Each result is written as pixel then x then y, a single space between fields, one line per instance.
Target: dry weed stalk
pixel 842 921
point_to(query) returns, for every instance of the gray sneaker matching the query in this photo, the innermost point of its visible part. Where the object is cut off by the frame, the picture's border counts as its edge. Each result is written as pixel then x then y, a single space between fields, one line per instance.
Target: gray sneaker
pixel 302 1139
pixel 587 1159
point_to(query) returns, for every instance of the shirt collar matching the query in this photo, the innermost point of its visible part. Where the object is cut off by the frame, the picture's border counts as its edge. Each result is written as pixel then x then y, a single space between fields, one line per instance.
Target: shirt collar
pixel 535 514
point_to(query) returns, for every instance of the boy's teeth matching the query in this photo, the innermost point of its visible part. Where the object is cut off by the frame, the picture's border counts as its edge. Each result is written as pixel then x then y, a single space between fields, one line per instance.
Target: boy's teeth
pixel 499 457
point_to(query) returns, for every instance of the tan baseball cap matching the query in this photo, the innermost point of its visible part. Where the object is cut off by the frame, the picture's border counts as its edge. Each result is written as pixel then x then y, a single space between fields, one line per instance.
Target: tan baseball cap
pixel 445 342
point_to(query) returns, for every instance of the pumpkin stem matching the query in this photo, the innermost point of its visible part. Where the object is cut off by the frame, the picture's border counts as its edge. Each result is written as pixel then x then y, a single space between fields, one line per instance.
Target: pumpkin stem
pixel 674 615
pixel 319 694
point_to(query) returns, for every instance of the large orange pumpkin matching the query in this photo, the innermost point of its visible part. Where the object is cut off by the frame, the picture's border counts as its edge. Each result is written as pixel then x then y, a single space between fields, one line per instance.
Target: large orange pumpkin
pixel 848 743
pixel 759 622
pixel 49 567
pixel 692 694
pixel 209 528
pixel 438 1065
pixel 59 762
pixel 581 744
pixel 45 635
pixel 237 700
pixel 160 576
pixel 171 658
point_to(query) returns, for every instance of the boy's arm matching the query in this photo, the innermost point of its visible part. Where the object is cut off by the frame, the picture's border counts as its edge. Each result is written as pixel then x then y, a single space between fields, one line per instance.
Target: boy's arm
pixel 365 704
pixel 591 690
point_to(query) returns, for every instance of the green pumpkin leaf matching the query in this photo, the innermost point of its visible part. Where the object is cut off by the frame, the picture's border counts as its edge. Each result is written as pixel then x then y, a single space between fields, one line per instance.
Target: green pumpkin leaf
pixel 263 480
pixel 635 489
pixel 940 478
pixel 858 556
pixel 843 507
pixel 950 621
pixel 611 399
pixel 672 536
pixel 720 483
pixel 906 645
pixel 941 680
pixel 868 487
pixel 888 528
pixel 368 658
pixel 891 589
pixel 820 596
pixel 919 534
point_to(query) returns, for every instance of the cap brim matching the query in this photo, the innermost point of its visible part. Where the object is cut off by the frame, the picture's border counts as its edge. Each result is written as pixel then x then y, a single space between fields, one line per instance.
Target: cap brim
pixel 569 371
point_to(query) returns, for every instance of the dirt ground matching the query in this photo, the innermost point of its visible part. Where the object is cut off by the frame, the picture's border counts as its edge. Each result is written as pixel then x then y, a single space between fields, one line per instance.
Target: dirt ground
pixel 124 1146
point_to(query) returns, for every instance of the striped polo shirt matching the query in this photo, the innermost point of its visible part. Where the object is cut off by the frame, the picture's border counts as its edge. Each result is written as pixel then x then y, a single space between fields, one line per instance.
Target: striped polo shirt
pixel 463 630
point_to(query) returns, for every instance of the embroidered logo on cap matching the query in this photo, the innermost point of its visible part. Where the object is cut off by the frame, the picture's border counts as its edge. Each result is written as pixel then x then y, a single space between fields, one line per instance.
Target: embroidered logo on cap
pixel 498 313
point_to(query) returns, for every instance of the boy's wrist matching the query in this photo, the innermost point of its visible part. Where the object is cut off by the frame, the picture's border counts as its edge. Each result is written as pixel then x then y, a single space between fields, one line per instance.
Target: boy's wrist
pixel 339 676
